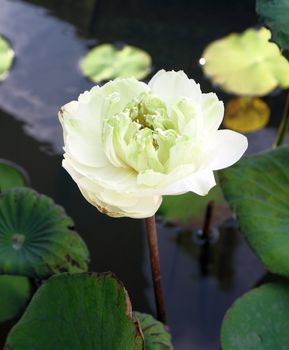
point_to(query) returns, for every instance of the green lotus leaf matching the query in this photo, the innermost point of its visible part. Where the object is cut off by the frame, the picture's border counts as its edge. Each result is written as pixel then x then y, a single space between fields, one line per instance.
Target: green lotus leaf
pixel 188 209
pixel 274 14
pixel 155 334
pixel 78 311
pixel 106 62
pixel 12 175
pixel 258 320
pixel 246 63
pixel 257 189
pixel 14 294
pixel 6 57
pixel 36 236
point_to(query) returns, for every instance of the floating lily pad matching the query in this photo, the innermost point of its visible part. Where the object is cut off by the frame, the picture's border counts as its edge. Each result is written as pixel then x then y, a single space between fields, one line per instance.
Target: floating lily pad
pixel 12 175
pixel 274 14
pixel 258 320
pixel 189 209
pixel 6 57
pixel 155 334
pixel 257 189
pixel 106 62
pixel 246 63
pixel 36 236
pixel 246 114
pixel 14 293
pixel 79 311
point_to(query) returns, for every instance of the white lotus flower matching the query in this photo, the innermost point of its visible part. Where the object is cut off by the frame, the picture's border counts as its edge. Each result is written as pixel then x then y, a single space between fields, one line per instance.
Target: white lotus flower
pixel 128 143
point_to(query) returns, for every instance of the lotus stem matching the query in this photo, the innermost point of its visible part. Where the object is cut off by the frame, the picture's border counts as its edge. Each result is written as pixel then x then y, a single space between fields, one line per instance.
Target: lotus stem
pixel 208 220
pixel 155 267
pixel 284 125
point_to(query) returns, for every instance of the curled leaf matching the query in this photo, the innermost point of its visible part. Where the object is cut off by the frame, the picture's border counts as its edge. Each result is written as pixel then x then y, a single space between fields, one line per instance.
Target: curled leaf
pixel 155 334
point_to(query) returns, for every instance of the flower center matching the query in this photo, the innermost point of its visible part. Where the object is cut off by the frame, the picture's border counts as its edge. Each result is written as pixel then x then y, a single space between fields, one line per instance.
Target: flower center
pixel 148 111
pixel 141 136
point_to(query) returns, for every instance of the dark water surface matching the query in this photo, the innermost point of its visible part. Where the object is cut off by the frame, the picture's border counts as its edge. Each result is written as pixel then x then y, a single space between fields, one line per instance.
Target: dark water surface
pixel 49 38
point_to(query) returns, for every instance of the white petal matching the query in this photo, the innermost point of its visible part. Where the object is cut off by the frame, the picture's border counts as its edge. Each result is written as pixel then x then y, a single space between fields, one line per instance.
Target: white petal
pixel 82 120
pixel 82 126
pixel 121 92
pixel 183 153
pixel 132 205
pixel 181 180
pixel 200 183
pixel 115 203
pixel 68 109
pixel 144 207
pixel 109 148
pixel 150 178
pixel 172 85
pixel 224 148
pixel 212 112
pixel 89 110
pixel 159 181
pixel 85 151
pixel 108 177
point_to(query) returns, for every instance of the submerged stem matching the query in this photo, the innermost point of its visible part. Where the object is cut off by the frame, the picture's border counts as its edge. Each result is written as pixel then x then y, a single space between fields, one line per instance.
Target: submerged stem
pixel 155 267
pixel 208 220
pixel 284 126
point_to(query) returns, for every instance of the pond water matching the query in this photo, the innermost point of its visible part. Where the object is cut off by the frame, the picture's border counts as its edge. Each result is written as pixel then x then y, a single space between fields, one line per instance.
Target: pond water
pixel 49 38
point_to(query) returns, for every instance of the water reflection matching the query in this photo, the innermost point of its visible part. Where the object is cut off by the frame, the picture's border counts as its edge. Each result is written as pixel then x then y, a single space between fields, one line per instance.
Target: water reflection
pixel 45 74
pixel 215 259
pixel 196 302
pixel 82 14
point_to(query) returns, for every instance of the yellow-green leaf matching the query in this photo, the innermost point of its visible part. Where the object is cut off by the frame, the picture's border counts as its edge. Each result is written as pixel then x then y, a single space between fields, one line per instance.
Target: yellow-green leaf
pixel 6 57
pixel 106 62
pixel 246 63
pixel 246 114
